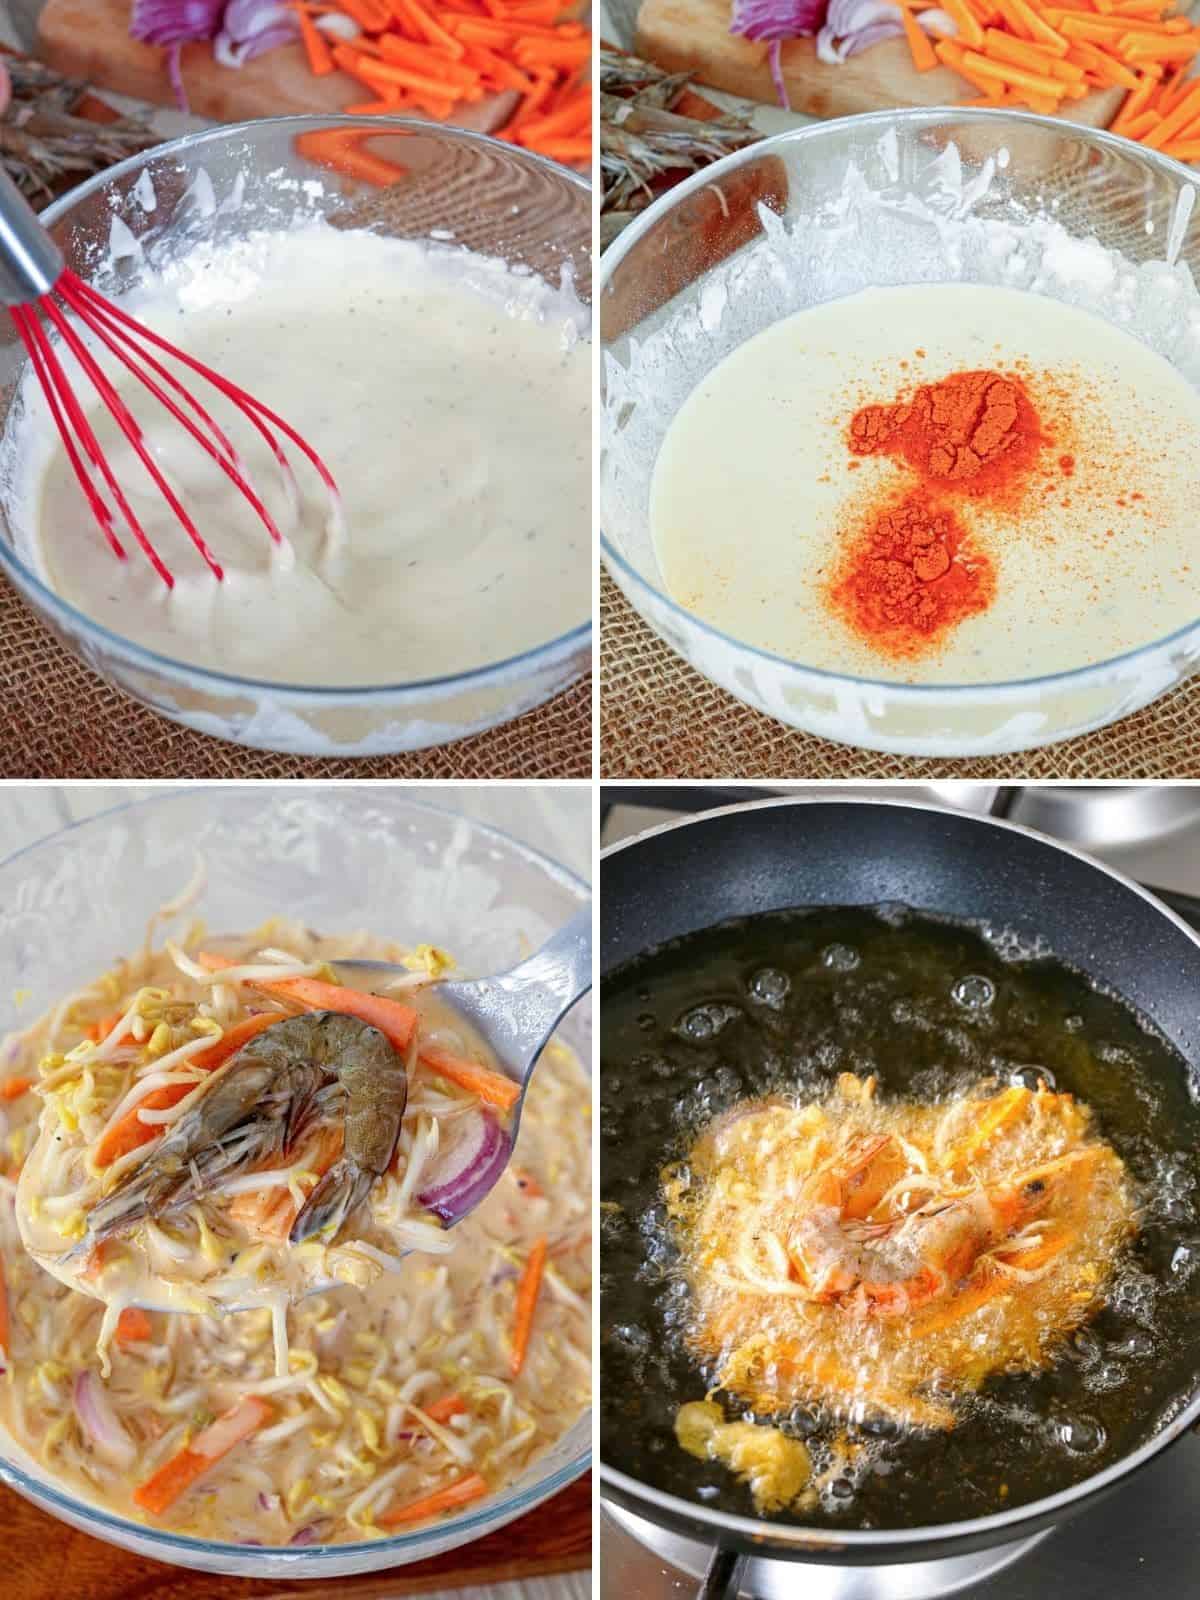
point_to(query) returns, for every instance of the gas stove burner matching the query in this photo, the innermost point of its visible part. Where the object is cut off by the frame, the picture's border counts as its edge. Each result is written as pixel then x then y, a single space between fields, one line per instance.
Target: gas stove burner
pixel 784 1580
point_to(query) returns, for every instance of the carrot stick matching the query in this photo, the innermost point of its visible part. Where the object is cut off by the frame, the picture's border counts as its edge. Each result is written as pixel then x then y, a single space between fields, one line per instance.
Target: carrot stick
pixel 527 1294
pixel 969 31
pixel 384 72
pixel 450 1405
pixel 316 46
pixel 423 20
pixel 1134 103
pixel 920 47
pixel 14 1088
pixel 1137 127
pixel 567 150
pixel 1003 47
pixel 427 59
pixel 208 1447
pixel 1175 120
pixel 570 119
pixel 398 1022
pixel 373 15
pixel 1183 150
pixel 95 1031
pixel 1037 82
pixel 459 1493
pixel 270 1212
pixel 131 1131
pixel 133 1325
pixel 491 1086
pixel 1103 65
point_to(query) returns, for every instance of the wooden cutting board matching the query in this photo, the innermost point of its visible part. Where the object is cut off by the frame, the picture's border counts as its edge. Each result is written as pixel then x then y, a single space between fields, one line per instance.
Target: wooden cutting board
pixel 44 1558
pixel 90 39
pixel 694 36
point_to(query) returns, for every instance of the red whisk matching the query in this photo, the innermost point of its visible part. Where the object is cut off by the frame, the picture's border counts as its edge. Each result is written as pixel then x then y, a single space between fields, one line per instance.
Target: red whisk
pixel 33 280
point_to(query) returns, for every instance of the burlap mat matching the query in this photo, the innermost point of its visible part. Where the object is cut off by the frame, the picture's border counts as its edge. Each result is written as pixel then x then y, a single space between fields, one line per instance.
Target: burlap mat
pixel 659 719
pixel 58 720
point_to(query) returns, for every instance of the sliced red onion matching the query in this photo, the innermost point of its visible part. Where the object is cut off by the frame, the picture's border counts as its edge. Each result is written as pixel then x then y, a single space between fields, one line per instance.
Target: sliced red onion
pixel 855 25
pixel 175 23
pixel 467 1170
pixel 100 1421
pixel 311 1534
pixel 252 27
pixel 777 20
pixel 268 1502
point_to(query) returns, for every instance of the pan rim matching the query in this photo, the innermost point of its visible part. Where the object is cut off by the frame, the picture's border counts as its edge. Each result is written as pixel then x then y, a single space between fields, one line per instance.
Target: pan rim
pixel 770 1539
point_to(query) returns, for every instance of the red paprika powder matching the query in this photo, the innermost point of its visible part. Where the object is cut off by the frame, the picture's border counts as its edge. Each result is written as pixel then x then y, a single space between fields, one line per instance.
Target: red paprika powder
pixel 909 573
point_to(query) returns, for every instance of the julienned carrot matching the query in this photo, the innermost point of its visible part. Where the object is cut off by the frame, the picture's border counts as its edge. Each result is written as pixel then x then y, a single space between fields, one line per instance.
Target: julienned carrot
pixel 920 46
pixel 427 24
pixel 566 150
pixel 527 1296
pixel 131 1131
pixel 398 1022
pixel 133 1326
pixel 428 59
pixel 270 1212
pixel 569 119
pixel 316 46
pixel 374 108
pixel 161 1491
pixel 450 1405
pixel 14 1088
pixel 459 1493
pixel 1137 127
pixel 491 1086
pixel 1186 110
pixel 384 72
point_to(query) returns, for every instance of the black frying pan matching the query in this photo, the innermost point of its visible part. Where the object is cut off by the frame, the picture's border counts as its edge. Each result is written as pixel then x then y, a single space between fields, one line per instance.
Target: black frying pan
pixel 783 854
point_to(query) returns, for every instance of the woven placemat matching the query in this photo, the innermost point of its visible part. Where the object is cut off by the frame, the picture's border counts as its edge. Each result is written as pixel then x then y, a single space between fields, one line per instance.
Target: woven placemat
pixel 660 719
pixel 58 720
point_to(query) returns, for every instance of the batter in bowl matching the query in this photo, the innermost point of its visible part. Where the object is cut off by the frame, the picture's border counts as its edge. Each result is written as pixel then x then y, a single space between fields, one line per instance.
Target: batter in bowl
pixel 450 398
pixel 791 510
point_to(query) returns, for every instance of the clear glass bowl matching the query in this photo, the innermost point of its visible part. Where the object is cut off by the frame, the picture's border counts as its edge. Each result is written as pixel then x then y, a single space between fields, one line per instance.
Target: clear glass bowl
pixel 492 197
pixel 674 268
pixel 338 859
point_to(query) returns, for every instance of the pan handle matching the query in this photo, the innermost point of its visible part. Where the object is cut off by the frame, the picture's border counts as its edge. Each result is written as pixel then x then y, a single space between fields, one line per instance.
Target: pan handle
pixel 724 1575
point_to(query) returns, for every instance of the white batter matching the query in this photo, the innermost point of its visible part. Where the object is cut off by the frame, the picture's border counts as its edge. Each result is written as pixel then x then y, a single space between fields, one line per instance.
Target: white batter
pixel 449 397
pixel 754 490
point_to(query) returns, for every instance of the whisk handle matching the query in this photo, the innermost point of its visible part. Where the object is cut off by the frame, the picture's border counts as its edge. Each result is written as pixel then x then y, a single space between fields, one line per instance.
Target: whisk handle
pixel 30 261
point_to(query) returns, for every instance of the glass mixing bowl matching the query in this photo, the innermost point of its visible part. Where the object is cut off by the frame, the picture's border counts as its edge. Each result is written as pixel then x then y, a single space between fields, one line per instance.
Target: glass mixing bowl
pixel 765 233
pixel 492 197
pixel 338 860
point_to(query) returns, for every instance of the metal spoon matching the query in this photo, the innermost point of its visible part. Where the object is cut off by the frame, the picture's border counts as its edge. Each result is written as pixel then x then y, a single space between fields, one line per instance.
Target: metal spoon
pixel 516 1012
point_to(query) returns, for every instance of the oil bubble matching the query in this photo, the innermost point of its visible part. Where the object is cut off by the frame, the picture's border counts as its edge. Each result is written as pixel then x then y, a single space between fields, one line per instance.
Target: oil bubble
pixel 770 987
pixel 840 958
pixel 705 1022
pixel 1027 1077
pixel 974 993
pixel 1082 1436
pixel 841 1489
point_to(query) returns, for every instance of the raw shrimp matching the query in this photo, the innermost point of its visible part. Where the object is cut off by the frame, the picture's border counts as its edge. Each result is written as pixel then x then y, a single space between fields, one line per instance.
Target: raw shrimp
pixel 294 1075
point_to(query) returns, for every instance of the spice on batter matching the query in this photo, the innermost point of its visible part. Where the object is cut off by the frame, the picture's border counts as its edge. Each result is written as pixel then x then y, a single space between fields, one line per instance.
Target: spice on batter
pixel 975 431
pixel 909 575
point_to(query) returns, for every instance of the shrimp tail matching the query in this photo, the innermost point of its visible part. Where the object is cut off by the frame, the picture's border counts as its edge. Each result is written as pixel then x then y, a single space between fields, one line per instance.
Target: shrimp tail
pixel 335 1199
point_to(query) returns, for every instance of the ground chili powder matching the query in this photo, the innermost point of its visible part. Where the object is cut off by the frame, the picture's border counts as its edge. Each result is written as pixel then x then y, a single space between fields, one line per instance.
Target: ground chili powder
pixel 910 573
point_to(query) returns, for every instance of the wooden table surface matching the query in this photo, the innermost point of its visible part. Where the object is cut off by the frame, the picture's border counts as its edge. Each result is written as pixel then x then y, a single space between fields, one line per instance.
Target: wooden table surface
pixel 557 820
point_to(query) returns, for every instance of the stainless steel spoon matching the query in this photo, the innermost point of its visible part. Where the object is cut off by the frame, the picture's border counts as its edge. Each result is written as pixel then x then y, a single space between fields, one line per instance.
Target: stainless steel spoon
pixel 516 1012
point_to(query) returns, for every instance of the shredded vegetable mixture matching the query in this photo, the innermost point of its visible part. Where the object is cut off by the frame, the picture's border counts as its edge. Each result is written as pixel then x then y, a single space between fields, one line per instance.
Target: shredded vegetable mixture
pixel 407 1385
pixel 876 1260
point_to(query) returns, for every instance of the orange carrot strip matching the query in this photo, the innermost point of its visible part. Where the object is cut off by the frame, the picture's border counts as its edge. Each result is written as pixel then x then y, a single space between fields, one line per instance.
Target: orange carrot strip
pixel 574 116
pixel 427 24
pixel 1175 120
pixel 491 1086
pixel 131 1131
pixel 1146 49
pixel 1139 126
pixel 953 55
pixel 355 63
pixel 405 53
pixel 1003 47
pixel 969 31
pixel 1183 150
pixel 1134 103
pixel 316 46
pixel 450 1405
pixel 1035 82
pixel 920 46
pixel 1039 29
pixel 179 1473
pixel 502 73
pixel 387 72
pixel 133 1325
pixel 560 52
pixel 373 15
pixel 527 1294
pixel 398 1022
pixel 459 1493
pixel 14 1088
pixel 1103 65
pixel 95 1031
